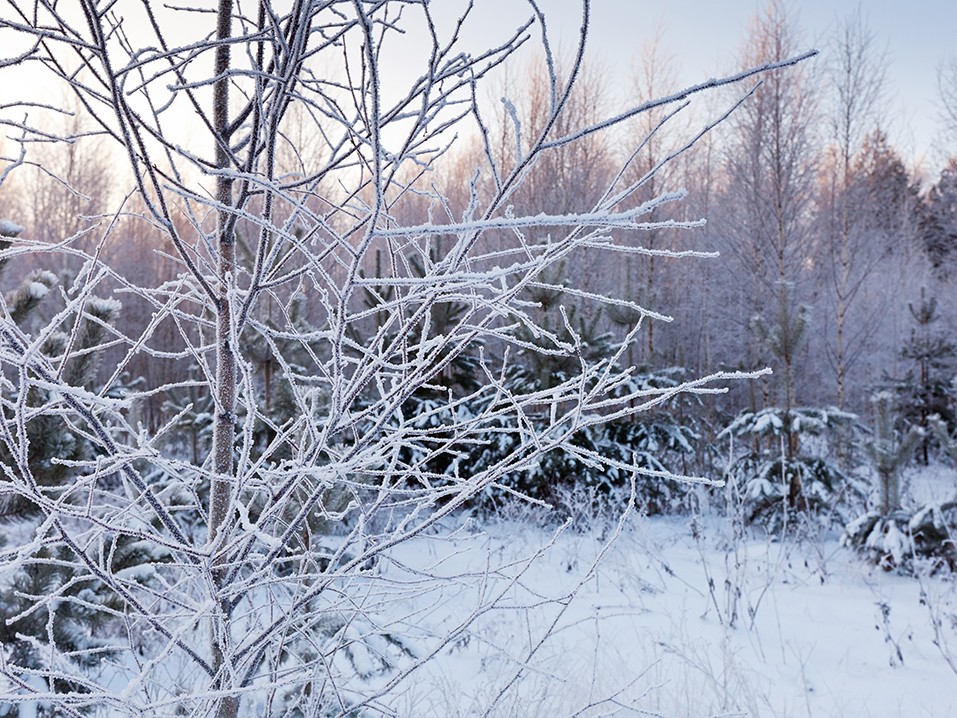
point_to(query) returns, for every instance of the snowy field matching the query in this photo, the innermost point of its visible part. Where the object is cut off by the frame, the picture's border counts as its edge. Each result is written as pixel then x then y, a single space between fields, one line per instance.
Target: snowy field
pixel 680 618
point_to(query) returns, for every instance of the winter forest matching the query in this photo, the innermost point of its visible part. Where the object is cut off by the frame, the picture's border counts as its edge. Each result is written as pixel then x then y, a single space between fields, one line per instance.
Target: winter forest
pixel 352 366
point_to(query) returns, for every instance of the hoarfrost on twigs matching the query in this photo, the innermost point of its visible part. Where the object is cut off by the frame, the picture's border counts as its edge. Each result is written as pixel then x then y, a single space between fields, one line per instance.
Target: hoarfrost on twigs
pixel 316 371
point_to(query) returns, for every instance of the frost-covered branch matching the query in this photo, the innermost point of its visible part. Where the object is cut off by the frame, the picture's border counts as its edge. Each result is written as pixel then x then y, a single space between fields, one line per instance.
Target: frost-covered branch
pixel 343 340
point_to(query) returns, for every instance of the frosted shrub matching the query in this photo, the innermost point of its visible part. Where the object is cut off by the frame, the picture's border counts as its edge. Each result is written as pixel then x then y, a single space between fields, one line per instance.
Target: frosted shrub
pixel 280 516
pixel 894 541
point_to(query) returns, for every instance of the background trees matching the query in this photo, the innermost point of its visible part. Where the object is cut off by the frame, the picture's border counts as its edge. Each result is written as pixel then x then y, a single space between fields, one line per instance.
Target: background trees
pixel 938 218
pixel 857 77
pixel 769 168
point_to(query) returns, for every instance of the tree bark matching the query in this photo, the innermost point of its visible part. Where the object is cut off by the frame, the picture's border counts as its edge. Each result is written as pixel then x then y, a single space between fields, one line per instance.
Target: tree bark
pixel 224 421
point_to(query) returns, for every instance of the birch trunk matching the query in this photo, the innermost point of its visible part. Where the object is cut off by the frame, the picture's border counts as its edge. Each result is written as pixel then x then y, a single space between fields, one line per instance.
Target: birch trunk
pixel 225 388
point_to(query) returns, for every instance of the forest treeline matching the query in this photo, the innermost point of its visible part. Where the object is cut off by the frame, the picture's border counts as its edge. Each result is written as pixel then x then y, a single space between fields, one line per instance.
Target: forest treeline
pixel 830 251
pixel 832 266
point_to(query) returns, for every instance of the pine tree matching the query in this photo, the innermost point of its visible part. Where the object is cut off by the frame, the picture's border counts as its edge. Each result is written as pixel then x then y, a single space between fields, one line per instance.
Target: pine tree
pixel 938 217
pixel 892 535
pixel 890 453
pixel 784 337
pixel 774 488
pixel 280 364
pixel 193 410
pixel 925 389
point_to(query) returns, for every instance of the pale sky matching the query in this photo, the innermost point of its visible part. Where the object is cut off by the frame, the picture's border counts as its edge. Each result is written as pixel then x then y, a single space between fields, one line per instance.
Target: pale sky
pixel 706 36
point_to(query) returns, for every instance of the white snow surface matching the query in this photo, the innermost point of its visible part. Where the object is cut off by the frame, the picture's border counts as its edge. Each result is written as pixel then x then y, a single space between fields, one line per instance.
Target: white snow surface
pixel 673 622
pixel 789 628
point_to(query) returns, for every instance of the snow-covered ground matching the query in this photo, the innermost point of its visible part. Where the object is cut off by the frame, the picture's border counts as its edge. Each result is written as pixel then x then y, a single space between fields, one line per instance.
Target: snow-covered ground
pixel 650 616
pixel 680 618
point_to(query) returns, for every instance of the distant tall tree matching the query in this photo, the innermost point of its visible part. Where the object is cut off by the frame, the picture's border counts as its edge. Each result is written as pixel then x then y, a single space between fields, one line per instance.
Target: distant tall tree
pixel 887 193
pixel 69 184
pixel 702 308
pixel 562 177
pixel 769 175
pixel 856 76
pixel 869 224
pixel 947 85
pixel 644 277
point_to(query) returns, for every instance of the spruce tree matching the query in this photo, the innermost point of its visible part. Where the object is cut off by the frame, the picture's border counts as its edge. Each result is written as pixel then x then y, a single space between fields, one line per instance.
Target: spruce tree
pixel 892 534
pixel 938 218
pixel 925 388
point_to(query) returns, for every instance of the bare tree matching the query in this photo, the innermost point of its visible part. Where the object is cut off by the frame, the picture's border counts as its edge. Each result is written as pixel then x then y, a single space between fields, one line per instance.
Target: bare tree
pixel 947 85
pixel 769 175
pixel 271 548
pixel 656 72
pixel 69 181
pixel 857 77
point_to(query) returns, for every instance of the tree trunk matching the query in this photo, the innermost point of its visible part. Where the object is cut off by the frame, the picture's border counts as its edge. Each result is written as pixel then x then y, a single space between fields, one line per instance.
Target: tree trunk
pixel 224 422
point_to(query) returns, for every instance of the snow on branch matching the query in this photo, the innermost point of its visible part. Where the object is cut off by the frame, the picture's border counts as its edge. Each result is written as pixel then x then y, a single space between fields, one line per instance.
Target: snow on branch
pixel 343 327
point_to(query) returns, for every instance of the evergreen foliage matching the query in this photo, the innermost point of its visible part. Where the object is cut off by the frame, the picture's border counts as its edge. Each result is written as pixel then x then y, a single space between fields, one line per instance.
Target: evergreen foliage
pixel 890 453
pixel 35 636
pixel 779 487
pixel 191 410
pixel 284 353
pixel 783 338
pixel 938 218
pixel 74 630
pixel 926 387
pixel 893 541
pixel 893 535
pixel 598 457
pixel 57 445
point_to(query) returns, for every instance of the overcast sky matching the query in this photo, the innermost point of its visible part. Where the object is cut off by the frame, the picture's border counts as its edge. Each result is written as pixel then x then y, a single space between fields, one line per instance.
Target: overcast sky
pixel 706 37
